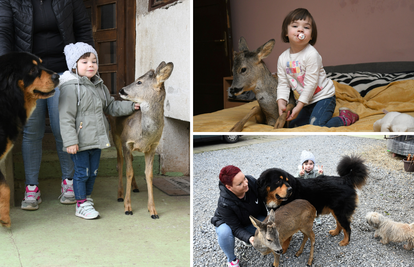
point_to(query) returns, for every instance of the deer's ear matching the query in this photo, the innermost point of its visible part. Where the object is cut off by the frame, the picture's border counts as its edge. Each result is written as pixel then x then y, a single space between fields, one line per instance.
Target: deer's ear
pixel 163 72
pixel 256 223
pixel 265 50
pixel 243 44
pixel 271 216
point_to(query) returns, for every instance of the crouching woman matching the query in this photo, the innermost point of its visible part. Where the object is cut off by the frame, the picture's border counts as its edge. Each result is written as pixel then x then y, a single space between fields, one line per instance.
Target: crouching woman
pixel 238 200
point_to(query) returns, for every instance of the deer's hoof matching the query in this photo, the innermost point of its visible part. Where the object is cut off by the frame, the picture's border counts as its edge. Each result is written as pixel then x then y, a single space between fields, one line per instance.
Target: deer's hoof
pixel 128 212
pixel 120 199
pixel 155 216
pixel 135 190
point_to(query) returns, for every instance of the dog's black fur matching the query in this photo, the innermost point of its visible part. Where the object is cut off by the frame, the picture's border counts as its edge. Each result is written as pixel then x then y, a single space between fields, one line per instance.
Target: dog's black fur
pixel 328 194
pixel 23 80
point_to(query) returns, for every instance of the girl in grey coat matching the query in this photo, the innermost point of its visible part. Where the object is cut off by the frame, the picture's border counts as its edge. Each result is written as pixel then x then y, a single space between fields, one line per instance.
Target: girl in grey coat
pixel 83 102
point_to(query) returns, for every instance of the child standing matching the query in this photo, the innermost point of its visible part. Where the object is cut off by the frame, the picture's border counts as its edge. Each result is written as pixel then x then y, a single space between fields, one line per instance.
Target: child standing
pixel 300 69
pixel 307 170
pixel 83 101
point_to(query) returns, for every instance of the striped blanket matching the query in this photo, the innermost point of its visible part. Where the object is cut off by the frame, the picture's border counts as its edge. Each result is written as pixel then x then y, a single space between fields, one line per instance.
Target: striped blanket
pixel 364 82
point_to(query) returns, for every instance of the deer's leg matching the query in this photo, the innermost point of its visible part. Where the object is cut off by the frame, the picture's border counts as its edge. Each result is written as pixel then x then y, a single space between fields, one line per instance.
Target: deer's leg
pixel 312 239
pixel 134 183
pixel 4 202
pixel 280 122
pixel 276 258
pixel 286 244
pixel 238 127
pixel 129 175
pixel 149 162
pixel 119 167
pixel 302 246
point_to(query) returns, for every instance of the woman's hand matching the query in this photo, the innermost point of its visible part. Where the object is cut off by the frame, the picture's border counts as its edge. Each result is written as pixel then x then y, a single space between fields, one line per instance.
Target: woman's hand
pixel 72 149
pixel 136 106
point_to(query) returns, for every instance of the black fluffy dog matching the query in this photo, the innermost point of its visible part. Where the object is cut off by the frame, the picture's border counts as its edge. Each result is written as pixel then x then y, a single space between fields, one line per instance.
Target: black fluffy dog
pixel 23 80
pixel 328 194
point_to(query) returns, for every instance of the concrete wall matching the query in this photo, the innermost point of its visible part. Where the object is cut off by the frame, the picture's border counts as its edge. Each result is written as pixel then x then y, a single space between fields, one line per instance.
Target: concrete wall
pixel 349 31
pixel 164 34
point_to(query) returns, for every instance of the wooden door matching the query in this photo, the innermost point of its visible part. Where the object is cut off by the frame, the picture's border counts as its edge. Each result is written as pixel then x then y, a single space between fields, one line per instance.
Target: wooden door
pixel 113 26
pixel 213 53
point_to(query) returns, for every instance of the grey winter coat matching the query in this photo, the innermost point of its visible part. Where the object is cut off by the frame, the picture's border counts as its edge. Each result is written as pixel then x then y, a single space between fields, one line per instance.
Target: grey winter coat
pixel 86 124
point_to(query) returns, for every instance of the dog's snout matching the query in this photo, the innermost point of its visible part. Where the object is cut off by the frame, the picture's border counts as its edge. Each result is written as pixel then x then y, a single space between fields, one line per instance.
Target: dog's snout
pixel 289 190
pixel 55 77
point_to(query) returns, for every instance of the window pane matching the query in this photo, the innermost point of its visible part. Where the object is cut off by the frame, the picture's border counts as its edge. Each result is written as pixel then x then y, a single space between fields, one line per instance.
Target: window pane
pixel 109 79
pixel 107 53
pixel 107 14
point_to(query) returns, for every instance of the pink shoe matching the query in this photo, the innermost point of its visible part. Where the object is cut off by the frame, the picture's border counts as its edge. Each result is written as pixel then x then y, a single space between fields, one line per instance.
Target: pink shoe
pixel 31 198
pixel 234 263
pixel 348 116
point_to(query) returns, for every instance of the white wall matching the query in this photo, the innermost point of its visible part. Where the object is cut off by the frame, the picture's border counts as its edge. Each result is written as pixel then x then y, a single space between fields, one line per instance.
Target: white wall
pixel 164 34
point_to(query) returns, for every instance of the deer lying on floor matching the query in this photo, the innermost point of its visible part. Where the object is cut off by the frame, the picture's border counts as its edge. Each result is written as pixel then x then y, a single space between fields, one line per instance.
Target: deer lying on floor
pixel 141 131
pixel 279 227
pixel 251 74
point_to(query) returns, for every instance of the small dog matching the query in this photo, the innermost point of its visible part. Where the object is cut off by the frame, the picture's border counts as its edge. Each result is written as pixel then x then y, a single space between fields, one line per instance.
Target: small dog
pixel 394 122
pixel 391 231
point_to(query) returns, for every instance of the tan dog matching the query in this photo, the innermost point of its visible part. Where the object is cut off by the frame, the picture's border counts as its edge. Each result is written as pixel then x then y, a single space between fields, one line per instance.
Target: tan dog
pixel 391 231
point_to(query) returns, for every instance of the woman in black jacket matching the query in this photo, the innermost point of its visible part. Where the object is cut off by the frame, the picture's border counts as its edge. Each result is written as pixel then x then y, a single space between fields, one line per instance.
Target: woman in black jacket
pixel 44 27
pixel 238 200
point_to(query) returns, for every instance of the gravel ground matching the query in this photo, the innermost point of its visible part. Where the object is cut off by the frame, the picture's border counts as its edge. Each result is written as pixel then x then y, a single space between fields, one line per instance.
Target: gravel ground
pixel 389 191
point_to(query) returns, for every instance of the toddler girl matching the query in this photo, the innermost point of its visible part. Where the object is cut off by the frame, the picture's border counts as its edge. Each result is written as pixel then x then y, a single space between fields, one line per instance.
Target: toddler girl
pixel 300 69
pixel 307 170
pixel 83 101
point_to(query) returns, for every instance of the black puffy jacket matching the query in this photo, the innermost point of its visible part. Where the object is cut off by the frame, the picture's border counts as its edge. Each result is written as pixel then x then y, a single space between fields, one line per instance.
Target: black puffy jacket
pixel 16 24
pixel 231 210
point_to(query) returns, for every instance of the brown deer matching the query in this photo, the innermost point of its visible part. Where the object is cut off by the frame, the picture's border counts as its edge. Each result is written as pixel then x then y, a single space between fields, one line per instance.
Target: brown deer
pixel 279 227
pixel 251 74
pixel 141 131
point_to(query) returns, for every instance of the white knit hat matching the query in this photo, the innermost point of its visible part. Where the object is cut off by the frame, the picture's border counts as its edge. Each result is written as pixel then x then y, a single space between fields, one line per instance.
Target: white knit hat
pixel 74 51
pixel 305 156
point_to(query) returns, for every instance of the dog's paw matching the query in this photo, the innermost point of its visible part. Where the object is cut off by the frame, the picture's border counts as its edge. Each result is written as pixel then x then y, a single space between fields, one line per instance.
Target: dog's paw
pixel 5 223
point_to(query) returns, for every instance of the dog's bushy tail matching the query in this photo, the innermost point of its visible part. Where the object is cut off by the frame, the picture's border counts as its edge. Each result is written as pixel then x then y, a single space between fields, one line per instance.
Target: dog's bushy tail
pixel 353 169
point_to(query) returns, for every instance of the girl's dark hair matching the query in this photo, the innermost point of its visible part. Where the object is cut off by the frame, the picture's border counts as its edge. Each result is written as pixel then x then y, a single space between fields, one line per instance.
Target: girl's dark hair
pixel 299 14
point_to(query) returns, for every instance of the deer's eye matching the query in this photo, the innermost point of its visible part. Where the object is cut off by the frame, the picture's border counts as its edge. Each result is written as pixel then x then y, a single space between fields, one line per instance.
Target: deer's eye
pixel 243 70
pixel 139 82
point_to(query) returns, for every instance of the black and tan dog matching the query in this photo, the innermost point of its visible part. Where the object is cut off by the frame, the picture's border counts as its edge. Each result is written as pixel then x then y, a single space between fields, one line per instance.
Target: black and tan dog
pixel 23 80
pixel 328 194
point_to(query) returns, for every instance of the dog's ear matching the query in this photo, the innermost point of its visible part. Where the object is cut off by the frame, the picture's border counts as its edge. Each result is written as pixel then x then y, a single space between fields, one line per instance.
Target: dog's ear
pixel 6 80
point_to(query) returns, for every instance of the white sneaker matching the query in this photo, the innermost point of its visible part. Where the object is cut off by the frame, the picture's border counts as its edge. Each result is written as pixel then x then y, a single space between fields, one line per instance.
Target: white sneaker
pixel 67 195
pixel 86 211
pixel 31 198
pixel 89 198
